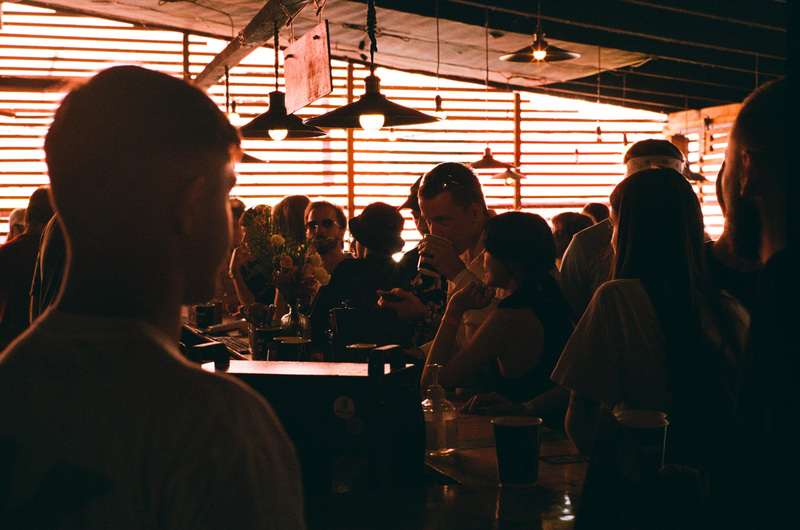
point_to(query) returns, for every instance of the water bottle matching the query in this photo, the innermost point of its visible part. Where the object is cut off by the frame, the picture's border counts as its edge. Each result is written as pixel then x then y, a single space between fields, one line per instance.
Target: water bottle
pixel 441 419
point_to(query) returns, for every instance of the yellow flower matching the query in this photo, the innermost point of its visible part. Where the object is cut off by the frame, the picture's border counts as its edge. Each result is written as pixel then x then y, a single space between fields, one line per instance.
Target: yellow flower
pixel 322 276
pixel 277 240
pixel 286 262
pixel 315 259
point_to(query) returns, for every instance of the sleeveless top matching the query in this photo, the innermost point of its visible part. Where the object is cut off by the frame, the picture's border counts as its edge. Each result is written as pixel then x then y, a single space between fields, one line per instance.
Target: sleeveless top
pixel 552 310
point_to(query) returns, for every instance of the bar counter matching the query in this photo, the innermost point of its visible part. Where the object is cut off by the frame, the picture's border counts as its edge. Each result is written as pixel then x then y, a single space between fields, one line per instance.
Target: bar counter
pixel 462 491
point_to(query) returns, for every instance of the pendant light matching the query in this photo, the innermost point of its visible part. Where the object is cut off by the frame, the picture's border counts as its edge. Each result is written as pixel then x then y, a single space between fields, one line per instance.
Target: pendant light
pixel 539 50
pixel 276 124
pixel 230 106
pixel 488 161
pixel 509 176
pixel 372 111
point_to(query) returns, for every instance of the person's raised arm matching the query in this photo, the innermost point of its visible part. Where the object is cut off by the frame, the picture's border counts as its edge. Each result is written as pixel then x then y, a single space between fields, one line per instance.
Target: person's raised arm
pixel 484 345
pixel 581 422
pixel 239 257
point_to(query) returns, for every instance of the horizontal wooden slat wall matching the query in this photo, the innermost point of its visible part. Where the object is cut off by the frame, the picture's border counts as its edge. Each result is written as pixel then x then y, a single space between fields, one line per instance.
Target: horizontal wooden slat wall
pixel 565 162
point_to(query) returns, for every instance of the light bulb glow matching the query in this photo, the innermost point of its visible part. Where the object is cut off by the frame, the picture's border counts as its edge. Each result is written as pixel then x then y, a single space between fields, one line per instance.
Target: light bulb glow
pixel 539 55
pixel 278 134
pixel 510 181
pixel 371 122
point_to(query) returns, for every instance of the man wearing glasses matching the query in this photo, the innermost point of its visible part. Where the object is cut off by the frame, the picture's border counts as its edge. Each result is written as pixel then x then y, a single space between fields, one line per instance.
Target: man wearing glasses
pixel 325 224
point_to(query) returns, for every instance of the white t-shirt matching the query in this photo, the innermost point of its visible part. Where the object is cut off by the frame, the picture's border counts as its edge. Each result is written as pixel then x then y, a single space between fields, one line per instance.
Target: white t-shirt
pixel 615 356
pixel 106 415
pixel 586 265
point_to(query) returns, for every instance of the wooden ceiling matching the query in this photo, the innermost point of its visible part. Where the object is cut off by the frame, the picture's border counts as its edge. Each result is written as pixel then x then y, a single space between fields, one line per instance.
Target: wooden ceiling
pixel 660 55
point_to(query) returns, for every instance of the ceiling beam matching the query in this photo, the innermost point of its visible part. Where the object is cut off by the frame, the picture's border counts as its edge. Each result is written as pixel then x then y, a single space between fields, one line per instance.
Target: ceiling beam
pixel 258 32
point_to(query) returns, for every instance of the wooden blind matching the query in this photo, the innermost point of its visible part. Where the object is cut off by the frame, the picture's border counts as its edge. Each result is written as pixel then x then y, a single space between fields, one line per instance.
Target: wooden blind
pixel 565 162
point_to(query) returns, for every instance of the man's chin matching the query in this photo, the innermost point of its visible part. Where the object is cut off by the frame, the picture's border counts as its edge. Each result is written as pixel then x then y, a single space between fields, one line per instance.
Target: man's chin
pixel 324 246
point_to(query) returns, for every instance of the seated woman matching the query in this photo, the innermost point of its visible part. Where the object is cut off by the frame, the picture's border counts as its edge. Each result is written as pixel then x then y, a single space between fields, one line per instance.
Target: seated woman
pixel 288 219
pixel 250 288
pixel 657 336
pixel 521 340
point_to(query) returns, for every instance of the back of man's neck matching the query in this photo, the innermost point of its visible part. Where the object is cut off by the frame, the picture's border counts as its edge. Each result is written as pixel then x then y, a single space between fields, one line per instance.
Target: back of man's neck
pixel 724 251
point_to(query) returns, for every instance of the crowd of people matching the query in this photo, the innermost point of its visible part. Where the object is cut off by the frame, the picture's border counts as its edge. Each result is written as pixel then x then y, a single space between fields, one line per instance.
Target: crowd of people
pixel 610 309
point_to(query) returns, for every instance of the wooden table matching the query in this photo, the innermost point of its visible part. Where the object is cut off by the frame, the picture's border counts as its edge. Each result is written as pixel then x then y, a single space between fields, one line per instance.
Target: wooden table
pixel 462 491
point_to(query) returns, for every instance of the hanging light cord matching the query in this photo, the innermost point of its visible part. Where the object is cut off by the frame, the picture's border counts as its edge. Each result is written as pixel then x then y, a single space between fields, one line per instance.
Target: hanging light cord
pixel 437 46
pixel 486 39
pixel 277 49
pixel 372 22
pixel 599 69
pixel 539 18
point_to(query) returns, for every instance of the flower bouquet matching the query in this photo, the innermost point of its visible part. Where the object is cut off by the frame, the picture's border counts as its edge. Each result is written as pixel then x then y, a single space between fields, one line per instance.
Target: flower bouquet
pixel 293 267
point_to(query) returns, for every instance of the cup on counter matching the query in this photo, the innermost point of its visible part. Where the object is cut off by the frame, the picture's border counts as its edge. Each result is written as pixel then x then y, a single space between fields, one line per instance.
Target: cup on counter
pixel 293 349
pixel 359 352
pixel 647 432
pixel 262 342
pixel 517 444
pixel 424 266
pixel 206 315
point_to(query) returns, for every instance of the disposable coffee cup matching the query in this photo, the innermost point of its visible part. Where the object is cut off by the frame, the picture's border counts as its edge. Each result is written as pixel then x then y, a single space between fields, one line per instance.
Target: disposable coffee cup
pixel 647 432
pixel 516 441
pixel 293 349
pixel 262 342
pixel 424 266
pixel 204 315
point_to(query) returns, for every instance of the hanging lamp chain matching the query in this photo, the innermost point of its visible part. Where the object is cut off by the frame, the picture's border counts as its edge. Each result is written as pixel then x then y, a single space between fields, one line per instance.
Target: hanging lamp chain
pixel 277 49
pixel 539 19
pixel 372 23
pixel 227 91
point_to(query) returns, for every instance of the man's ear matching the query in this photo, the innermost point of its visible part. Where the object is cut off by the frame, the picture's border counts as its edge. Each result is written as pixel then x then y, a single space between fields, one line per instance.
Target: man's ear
pixel 476 212
pixel 747 175
pixel 190 207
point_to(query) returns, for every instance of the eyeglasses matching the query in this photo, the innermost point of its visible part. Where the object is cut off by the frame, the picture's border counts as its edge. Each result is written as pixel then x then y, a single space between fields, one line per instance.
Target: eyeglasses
pixel 325 223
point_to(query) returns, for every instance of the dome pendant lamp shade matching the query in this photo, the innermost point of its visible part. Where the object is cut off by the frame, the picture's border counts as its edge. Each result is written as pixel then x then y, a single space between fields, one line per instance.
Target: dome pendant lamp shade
pixel 539 51
pixel 271 124
pixel 509 176
pixel 276 124
pixel 488 162
pixel 371 104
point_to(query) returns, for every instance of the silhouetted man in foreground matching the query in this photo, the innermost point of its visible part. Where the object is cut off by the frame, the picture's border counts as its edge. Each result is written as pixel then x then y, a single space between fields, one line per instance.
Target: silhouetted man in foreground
pixel 102 423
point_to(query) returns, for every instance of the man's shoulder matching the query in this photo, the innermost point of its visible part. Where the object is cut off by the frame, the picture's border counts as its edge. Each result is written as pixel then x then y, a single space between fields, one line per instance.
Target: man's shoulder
pixel 137 370
pixel 23 243
pixel 596 236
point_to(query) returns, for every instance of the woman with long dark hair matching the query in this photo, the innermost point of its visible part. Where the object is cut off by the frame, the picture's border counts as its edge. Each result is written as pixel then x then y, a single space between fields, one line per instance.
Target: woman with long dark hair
pixel 517 346
pixel 658 336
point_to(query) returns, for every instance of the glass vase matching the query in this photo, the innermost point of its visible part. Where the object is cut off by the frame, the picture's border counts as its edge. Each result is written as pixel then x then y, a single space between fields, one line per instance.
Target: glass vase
pixel 296 324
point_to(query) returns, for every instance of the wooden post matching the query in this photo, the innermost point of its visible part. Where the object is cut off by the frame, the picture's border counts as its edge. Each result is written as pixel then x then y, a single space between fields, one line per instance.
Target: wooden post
pixel 351 173
pixel 517 149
